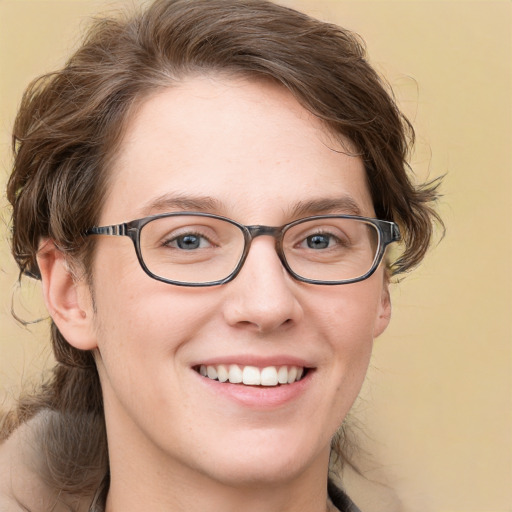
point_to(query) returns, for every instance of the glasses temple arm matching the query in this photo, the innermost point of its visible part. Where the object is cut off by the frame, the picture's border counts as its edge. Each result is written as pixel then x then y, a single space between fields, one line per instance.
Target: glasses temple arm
pixel 115 230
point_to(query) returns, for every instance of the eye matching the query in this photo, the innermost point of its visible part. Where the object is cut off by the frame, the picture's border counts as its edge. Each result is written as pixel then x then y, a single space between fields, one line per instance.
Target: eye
pixel 322 240
pixel 328 237
pixel 319 241
pixel 187 242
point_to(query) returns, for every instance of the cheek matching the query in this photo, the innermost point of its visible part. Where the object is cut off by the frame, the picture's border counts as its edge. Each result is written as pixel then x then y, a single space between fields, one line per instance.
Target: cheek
pixel 150 323
pixel 130 305
pixel 346 320
pixel 348 314
pixel 140 337
pixel 143 325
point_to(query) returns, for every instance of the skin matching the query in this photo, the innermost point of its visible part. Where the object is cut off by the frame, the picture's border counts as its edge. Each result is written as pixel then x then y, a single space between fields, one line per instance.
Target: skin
pixel 174 442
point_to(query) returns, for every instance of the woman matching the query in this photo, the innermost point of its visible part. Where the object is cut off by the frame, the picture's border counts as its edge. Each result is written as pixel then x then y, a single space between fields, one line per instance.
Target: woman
pixel 259 167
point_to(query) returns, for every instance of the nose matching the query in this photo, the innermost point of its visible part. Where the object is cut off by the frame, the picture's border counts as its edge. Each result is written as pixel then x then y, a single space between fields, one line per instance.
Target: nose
pixel 262 297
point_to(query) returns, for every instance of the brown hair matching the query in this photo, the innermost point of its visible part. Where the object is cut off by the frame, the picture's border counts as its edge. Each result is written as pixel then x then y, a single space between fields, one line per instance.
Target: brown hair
pixel 70 123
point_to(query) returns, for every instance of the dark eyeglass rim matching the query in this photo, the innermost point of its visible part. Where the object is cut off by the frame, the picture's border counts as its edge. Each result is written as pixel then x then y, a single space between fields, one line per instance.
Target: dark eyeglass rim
pixel 388 233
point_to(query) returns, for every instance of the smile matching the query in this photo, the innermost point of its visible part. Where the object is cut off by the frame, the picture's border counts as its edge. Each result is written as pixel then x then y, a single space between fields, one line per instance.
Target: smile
pixel 252 375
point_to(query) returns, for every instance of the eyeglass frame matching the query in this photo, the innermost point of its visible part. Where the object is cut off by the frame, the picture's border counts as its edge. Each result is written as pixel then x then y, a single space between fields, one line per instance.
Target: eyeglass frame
pixel 389 232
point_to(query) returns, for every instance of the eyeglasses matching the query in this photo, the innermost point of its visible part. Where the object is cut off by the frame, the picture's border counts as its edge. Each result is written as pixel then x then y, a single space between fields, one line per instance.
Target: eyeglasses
pixel 202 249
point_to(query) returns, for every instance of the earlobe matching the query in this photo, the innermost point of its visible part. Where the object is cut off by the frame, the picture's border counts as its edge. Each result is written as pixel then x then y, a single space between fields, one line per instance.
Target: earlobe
pixel 67 299
pixel 384 312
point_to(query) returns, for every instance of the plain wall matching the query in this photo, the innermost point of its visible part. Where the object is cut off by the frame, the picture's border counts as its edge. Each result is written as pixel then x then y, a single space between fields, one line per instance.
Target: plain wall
pixel 437 404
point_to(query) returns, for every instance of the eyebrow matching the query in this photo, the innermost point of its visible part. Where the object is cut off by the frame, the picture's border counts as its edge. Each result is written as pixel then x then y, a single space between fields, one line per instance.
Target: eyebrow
pixel 343 205
pixel 171 202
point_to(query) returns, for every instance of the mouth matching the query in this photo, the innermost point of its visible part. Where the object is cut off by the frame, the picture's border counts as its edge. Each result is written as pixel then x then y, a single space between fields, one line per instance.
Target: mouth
pixel 269 376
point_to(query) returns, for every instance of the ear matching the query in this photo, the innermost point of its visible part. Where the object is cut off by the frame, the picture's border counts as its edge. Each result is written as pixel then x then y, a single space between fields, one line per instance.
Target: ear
pixel 384 310
pixel 67 298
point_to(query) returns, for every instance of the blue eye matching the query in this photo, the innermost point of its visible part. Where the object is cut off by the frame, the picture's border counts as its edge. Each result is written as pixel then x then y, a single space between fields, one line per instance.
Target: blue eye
pixel 319 241
pixel 188 242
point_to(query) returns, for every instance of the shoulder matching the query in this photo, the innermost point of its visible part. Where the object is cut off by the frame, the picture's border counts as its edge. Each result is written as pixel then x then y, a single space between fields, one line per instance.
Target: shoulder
pixel 19 485
pixel 23 483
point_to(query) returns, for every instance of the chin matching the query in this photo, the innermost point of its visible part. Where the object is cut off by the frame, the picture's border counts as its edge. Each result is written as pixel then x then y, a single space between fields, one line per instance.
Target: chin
pixel 258 474
pixel 266 463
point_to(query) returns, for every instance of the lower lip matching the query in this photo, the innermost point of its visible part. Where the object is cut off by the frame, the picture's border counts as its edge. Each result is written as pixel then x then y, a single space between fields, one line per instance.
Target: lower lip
pixel 260 397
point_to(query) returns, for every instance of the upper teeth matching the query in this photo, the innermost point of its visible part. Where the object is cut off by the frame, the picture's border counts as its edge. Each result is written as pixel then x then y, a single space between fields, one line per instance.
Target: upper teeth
pixel 252 375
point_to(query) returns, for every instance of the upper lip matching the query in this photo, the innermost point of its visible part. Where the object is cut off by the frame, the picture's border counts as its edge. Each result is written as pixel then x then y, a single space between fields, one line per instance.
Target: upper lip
pixel 257 361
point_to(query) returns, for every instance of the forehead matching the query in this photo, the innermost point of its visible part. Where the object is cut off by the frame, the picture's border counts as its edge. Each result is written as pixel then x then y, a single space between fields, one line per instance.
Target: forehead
pixel 249 146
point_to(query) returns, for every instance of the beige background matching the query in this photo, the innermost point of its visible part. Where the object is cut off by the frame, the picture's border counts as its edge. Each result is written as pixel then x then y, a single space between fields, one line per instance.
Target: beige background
pixel 437 406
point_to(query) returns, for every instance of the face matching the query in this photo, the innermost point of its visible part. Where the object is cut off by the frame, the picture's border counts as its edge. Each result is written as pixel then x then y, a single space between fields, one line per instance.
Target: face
pixel 250 152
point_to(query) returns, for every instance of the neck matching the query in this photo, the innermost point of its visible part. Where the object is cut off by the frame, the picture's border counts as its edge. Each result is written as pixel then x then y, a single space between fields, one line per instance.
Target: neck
pixel 192 499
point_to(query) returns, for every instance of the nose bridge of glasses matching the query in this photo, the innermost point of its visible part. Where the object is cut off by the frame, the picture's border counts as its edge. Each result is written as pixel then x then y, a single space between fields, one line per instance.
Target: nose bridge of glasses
pixel 256 231
pixel 272 231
